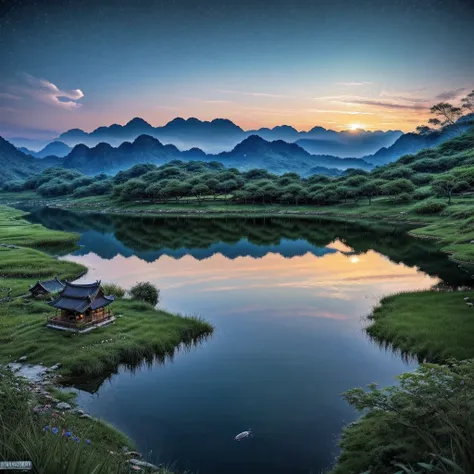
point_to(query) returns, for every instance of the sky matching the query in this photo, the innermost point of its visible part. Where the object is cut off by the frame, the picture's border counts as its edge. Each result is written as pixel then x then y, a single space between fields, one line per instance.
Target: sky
pixel 376 64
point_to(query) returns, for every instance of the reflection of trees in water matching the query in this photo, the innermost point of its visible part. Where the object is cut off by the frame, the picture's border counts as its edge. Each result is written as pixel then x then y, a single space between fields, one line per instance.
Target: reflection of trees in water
pixel 133 363
pixel 149 233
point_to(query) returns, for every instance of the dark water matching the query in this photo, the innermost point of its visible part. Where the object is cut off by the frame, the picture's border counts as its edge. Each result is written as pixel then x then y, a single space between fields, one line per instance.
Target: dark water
pixel 286 298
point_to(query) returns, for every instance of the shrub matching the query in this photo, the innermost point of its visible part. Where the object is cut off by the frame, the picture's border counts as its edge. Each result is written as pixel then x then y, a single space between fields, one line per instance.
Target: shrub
pixel 432 207
pixel 430 412
pixel 423 193
pixel 146 291
pixel 111 289
pixel 403 197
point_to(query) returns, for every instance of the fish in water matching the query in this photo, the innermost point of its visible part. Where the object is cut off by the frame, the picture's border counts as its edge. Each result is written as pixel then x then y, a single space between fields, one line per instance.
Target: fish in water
pixel 244 434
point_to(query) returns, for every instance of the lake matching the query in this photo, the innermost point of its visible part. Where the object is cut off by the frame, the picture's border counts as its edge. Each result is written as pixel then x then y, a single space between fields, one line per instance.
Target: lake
pixel 287 298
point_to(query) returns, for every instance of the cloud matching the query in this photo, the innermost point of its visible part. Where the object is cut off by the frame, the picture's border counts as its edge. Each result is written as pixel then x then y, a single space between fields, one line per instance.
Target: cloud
pixel 354 84
pixel 47 92
pixel 344 112
pixel 388 105
pixel 451 95
pixel 255 94
pixel 6 95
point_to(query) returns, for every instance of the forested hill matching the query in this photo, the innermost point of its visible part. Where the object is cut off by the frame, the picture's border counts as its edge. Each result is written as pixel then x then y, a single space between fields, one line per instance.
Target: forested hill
pixel 440 172
pixel 253 152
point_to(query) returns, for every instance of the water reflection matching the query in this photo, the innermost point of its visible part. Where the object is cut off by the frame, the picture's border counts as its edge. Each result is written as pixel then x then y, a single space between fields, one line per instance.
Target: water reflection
pixel 287 298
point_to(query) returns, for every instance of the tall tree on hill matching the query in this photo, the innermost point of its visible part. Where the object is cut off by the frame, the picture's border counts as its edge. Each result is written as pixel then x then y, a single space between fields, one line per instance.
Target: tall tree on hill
pixel 446 114
pixel 468 102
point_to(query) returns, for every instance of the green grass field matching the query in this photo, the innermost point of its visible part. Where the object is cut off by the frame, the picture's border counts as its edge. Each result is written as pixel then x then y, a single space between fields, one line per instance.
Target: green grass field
pixel 434 325
pixel 140 332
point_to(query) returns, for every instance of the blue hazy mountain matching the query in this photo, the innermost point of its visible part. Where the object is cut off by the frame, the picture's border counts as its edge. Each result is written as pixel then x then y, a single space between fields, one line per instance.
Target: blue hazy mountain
pixel 410 143
pixel 55 148
pixel 223 135
pixel 253 152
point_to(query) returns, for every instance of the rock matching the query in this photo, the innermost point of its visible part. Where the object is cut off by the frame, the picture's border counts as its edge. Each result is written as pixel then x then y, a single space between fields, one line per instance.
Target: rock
pixel 85 415
pixel 472 241
pixel 54 367
pixel 470 304
pixel 137 462
pixel 63 406
pixel 22 358
pixel 467 298
pixel 135 454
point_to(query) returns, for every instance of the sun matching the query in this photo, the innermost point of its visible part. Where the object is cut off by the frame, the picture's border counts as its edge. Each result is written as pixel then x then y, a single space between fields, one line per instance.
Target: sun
pixel 354 259
pixel 355 126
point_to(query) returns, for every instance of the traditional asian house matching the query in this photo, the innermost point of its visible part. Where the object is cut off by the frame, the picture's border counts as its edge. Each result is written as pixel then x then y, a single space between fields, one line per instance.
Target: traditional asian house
pixel 46 287
pixel 81 307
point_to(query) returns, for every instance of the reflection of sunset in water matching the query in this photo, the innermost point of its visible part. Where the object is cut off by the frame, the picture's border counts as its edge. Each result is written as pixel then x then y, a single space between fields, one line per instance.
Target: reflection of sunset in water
pixel 335 285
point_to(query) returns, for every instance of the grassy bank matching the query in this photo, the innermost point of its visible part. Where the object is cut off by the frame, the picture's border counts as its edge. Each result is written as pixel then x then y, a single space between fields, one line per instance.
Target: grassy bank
pixel 433 325
pixel 140 333
pixel 453 227
pixel 140 330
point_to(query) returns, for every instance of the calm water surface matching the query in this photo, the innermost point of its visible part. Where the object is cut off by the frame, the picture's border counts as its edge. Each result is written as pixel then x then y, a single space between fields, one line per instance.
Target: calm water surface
pixel 286 298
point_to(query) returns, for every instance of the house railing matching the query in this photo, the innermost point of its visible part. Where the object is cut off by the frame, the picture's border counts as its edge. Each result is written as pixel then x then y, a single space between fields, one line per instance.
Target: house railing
pixel 80 324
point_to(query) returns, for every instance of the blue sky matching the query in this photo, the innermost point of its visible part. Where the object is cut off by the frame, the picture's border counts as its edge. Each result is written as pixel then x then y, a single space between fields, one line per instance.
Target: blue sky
pixel 376 63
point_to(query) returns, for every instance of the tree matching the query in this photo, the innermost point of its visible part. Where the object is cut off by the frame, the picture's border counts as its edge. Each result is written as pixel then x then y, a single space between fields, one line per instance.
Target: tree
pixel 423 130
pixel 446 114
pixel 199 191
pixel 176 189
pixel 468 102
pixel 446 185
pixel 145 291
pixel 372 188
pixel 397 187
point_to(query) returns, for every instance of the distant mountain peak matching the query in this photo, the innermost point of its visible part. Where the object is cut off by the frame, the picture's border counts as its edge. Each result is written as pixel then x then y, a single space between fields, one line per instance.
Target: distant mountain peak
pixel 138 122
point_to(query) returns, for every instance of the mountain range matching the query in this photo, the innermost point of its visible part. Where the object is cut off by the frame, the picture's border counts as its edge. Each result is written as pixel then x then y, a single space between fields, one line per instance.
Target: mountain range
pixel 55 148
pixel 16 165
pixel 223 135
pixel 253 152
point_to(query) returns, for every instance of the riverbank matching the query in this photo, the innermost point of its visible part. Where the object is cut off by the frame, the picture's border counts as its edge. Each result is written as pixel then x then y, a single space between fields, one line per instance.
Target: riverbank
pixel 453 227
pixel 140 332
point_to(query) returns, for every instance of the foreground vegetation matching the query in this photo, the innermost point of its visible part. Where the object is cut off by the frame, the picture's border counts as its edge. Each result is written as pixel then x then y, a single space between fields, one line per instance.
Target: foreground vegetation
pixel 57 442
pixel 425 424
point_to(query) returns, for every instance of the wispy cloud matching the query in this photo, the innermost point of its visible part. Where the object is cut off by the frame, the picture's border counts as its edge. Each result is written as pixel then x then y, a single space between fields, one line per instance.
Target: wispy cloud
pixel 342 112
pixel 452 94
pixel 48 92
pixel 8 96
pixel 42 91
pixel 255 94
pixel 354 84
pixel 388 105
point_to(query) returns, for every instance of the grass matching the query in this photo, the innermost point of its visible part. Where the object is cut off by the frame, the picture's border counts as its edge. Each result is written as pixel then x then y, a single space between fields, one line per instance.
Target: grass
pixel 140 331
pixel 63 395
pixel 94 447
pixel 434 325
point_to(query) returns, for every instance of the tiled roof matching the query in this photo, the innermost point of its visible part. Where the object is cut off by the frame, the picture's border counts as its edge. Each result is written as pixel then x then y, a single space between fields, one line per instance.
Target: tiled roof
pixel 81 297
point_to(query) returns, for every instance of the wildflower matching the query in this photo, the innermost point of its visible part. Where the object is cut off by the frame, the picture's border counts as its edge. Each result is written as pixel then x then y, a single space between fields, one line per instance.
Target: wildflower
pixel 88 441
pixel 68 434
pixel 54 430
pixel 462 382
pixel 77 439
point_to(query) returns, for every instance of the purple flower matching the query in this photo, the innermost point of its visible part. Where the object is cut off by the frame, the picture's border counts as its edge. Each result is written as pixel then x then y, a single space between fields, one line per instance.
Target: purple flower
pixel 68 434
pixel 88 441
pixel 46 428
pixel 54 430
pixel 462 382
pixel 76 439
